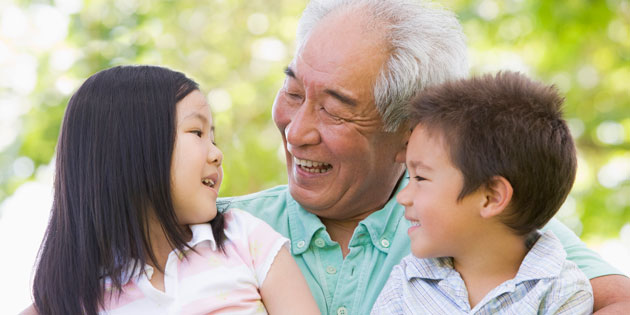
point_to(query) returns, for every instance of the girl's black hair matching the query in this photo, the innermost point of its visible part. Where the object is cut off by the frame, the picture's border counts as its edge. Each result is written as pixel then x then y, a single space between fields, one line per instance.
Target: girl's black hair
pixel 113 170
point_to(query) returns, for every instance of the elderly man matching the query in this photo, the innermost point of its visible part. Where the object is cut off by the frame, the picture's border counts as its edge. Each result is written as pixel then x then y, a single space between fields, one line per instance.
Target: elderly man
pixel 340 112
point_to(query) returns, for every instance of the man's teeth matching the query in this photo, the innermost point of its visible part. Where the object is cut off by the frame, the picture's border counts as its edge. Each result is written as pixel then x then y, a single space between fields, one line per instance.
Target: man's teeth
pixel 313 166
pixel 208 182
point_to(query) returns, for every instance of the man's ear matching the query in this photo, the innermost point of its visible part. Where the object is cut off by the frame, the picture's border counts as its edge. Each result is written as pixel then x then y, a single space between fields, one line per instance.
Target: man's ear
pixel 498 194
pixel 401 154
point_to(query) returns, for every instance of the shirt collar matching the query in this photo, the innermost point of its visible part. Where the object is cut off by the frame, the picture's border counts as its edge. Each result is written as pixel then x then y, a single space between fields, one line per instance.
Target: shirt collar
pixel 438 268
pixel 547 252
pixel 380 225
pixel 383 224
pixel 302 225
pixel 202 233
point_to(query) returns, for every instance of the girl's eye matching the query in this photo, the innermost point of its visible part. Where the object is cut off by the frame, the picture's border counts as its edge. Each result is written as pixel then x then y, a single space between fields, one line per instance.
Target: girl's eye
pixel 199 133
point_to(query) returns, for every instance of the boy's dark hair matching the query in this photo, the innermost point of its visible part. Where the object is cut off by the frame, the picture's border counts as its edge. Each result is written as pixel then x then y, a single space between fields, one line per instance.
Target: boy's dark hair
pixel 112 172
pixel 505 125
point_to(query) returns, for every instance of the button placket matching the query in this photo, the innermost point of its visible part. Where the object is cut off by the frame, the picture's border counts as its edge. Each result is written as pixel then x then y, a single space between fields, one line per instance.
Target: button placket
pixel 320 242
pixel 331 270
pixel 385 243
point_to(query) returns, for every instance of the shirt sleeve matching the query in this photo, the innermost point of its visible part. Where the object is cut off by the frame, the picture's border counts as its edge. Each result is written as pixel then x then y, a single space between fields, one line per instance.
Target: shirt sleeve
pixel 263 241
pixel 586 259
pixel 577 304
pixel 569 293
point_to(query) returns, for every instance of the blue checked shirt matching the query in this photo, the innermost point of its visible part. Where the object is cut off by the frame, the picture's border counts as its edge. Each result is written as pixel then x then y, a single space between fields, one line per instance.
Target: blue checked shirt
pixel 546 283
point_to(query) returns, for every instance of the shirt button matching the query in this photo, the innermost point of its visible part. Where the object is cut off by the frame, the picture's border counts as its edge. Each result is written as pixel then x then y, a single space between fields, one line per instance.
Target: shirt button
pixel 331 270
pixel 301 244
pixel 320 243
pixel 385 243
pixel 342 311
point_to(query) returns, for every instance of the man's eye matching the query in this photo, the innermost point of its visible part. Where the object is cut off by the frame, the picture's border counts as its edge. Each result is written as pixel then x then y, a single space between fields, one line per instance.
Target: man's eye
pixel 294 96
pixel 333 116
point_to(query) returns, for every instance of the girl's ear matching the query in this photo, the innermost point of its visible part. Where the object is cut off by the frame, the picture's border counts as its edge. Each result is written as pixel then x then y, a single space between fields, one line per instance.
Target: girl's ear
pixel 498 193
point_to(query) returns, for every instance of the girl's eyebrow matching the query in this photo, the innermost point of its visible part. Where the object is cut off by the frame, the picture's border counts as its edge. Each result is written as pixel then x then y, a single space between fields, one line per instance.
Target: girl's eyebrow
pixel 203 118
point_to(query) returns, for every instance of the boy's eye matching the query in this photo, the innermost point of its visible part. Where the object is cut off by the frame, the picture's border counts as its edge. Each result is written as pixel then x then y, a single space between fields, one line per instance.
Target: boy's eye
pixel 419 178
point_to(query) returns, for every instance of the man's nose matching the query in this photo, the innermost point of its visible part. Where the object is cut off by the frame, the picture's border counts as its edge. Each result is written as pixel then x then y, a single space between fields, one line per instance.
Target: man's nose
pixel 302 129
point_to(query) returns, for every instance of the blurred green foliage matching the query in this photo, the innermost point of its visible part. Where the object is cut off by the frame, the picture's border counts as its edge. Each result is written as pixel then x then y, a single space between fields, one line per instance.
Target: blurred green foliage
pixel 237 49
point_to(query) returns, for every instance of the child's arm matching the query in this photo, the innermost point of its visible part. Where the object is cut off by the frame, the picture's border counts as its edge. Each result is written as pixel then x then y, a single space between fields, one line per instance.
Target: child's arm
pixel 285 290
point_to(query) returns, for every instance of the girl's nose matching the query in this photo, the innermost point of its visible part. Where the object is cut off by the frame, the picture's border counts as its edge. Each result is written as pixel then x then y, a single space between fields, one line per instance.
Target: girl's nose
pixel 215 156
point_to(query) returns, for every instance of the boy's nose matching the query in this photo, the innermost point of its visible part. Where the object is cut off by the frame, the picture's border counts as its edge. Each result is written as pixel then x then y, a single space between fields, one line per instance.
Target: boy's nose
pixel 403 198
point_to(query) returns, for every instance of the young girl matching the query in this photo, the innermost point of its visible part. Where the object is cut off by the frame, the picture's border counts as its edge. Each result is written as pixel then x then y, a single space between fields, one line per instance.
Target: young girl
pixel 134 226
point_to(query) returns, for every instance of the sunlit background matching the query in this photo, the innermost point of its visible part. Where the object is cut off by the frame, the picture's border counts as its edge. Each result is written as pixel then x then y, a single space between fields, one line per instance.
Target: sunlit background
pixel 236 50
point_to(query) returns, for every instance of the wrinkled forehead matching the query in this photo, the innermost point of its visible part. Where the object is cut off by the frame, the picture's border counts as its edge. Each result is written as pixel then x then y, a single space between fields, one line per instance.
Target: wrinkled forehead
pixel 339 52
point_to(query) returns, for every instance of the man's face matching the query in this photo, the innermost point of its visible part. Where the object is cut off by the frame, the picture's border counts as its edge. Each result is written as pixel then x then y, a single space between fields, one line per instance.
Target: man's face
pixel 340 163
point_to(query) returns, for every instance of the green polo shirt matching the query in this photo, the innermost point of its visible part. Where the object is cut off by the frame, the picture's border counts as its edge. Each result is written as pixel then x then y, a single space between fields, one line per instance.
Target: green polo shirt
pixel 351 285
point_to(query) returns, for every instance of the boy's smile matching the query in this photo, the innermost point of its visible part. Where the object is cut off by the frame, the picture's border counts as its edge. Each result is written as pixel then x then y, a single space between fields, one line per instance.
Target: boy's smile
pixel 441 224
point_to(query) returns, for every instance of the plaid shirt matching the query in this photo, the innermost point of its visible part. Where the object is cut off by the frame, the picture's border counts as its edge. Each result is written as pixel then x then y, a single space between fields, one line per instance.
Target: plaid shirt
pixel 546 283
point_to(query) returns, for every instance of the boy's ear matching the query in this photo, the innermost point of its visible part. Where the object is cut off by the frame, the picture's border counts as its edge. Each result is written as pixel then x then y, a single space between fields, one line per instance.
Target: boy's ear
pixel 401 154
pixel 498 194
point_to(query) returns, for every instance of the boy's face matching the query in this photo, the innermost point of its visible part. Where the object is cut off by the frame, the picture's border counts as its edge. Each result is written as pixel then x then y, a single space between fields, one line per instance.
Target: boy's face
pixel 441 225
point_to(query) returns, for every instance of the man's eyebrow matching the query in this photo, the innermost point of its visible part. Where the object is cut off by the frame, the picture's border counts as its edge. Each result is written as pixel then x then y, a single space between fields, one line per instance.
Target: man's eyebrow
pixel 342 98
pixel 289 72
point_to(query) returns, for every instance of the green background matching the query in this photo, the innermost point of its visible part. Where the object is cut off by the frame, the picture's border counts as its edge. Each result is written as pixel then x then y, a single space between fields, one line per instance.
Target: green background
pixel 237 49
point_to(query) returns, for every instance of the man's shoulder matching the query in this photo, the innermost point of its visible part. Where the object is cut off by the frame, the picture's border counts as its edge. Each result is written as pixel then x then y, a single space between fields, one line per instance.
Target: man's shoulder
pixel 270 205
pixel 276 196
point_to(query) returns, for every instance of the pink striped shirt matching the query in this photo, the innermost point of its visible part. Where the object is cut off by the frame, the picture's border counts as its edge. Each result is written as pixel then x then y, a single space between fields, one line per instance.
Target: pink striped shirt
pixel 207 281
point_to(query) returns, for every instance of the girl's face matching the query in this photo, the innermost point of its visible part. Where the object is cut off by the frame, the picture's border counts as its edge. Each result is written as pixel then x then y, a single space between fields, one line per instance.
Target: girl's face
pixel 196 172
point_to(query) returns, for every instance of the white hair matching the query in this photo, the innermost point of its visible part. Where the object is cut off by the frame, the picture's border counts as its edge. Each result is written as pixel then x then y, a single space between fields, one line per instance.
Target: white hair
pixel 427 46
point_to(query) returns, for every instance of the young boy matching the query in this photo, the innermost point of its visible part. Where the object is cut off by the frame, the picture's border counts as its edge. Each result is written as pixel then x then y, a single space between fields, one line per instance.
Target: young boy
pixel 490 161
